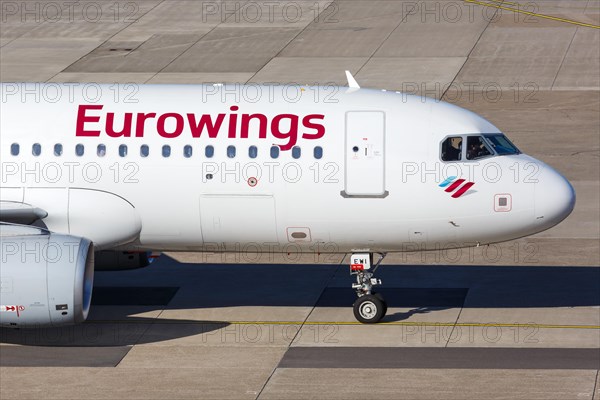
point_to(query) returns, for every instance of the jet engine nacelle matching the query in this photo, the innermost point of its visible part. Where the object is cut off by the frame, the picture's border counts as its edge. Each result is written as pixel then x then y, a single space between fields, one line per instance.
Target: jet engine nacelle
pixel 46 279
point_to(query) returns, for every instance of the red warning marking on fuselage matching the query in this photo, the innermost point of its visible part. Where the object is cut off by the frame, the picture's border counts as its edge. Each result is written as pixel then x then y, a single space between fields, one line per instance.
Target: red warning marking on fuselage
pixel 16 309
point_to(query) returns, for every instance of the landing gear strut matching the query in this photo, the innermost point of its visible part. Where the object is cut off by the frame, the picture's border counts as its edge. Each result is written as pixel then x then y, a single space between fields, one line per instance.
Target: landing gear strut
pixel 370 307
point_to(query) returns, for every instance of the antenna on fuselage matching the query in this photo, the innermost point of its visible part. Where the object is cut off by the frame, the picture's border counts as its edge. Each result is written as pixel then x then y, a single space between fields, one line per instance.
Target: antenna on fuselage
pixel 351 81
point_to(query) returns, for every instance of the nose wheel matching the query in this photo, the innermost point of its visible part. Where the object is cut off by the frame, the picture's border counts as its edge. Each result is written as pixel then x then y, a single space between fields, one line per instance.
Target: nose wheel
pixel 370 307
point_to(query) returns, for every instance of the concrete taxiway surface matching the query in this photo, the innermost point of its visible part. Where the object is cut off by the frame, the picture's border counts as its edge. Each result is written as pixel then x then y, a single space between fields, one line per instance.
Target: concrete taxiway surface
pixel 518 320
pixel 205 330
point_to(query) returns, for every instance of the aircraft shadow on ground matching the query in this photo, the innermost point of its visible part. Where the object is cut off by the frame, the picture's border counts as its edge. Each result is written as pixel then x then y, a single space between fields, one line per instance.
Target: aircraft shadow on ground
pixel 121 331
pixel 409 290
pixel 200 286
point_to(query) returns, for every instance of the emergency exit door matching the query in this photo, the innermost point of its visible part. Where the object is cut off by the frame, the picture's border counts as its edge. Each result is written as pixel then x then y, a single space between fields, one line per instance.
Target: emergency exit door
pixel 365 153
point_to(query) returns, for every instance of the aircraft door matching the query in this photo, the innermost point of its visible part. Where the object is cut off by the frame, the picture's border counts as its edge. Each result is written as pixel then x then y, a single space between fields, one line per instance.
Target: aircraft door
pixel 238 219
pixel 365 154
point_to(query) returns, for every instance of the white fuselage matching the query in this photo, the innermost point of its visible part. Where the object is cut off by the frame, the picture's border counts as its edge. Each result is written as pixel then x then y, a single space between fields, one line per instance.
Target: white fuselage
pixel 376 185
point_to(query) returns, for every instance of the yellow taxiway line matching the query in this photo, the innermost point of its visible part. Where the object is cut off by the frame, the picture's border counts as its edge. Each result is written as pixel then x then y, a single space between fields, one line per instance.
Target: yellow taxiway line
pixel 497 4
pixel 349 323
pixel 399 323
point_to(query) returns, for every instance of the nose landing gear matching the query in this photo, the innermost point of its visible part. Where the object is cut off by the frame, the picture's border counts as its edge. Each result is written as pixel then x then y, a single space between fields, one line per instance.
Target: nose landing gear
pixel 370 307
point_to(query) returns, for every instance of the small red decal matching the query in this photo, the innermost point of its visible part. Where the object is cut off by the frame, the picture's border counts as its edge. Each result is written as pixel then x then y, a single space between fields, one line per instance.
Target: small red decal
pixel 357 267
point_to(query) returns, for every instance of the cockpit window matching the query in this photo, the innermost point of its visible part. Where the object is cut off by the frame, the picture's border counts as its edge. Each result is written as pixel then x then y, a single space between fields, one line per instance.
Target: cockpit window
pixel 476 148
pixel 501 144
pixel 452 149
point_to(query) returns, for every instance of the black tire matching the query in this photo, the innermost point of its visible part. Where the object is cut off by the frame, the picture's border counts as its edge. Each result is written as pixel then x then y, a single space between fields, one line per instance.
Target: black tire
pixel 368 309
pixel 385 306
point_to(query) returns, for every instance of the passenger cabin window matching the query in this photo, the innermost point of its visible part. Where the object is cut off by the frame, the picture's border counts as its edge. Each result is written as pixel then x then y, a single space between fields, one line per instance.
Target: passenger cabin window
pixel 187 151
pixel 318 152
pixel 231 151
pixel 123 150
pixel 14 149
pixel 452 149
pixel 58 149
pixel 209 151
pixel 476 148
pixel 36 149
pixel 166 151
pixel 296 152
pixel 252 152
pixel 101 150
pixel 501 145
pixel 79 150
pixel 144 150
pixel 274 151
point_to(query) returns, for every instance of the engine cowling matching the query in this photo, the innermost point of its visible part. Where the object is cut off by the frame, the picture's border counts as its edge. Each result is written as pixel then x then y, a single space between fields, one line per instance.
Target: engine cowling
pixel 46 279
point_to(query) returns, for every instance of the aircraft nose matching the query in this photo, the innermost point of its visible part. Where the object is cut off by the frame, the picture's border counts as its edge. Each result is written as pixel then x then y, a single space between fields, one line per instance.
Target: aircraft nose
pixel 554 198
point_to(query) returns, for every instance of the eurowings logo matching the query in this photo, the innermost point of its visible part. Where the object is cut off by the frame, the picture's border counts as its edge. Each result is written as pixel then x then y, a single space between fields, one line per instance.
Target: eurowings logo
pixel 91 118
pixel 458 186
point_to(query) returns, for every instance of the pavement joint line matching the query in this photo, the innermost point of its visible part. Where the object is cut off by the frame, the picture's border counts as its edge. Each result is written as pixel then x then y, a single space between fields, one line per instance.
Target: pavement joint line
pixel 177 57
pixel 516 10
pixel 595 386
pixel 456 321
pixel 467 59
pixel 288 43
pixel 404 18
pixel 564 57
pixel 356 323
pixel 104 41
pixel 333 273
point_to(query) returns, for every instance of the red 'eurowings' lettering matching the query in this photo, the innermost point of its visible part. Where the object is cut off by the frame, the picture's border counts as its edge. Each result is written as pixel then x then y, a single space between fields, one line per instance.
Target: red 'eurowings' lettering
pixel 110 125
pixel 140 121
pixel 171 125
pixel 262 125
pixel 205 120
pixel 82 119
pixel 232 122
pixel 292 132
pixel 162 120
pixel 306 121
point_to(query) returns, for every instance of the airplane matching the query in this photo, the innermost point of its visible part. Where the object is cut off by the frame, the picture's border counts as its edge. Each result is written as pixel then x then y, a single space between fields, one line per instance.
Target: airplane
pixel 123 172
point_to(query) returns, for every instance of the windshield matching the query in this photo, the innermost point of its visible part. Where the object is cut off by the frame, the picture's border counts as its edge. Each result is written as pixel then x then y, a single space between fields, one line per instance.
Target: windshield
pixel 501 144
pixel 476 148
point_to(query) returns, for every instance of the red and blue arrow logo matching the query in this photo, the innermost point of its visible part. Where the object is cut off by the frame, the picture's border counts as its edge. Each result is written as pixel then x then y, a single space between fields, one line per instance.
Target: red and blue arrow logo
pixel 458 186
